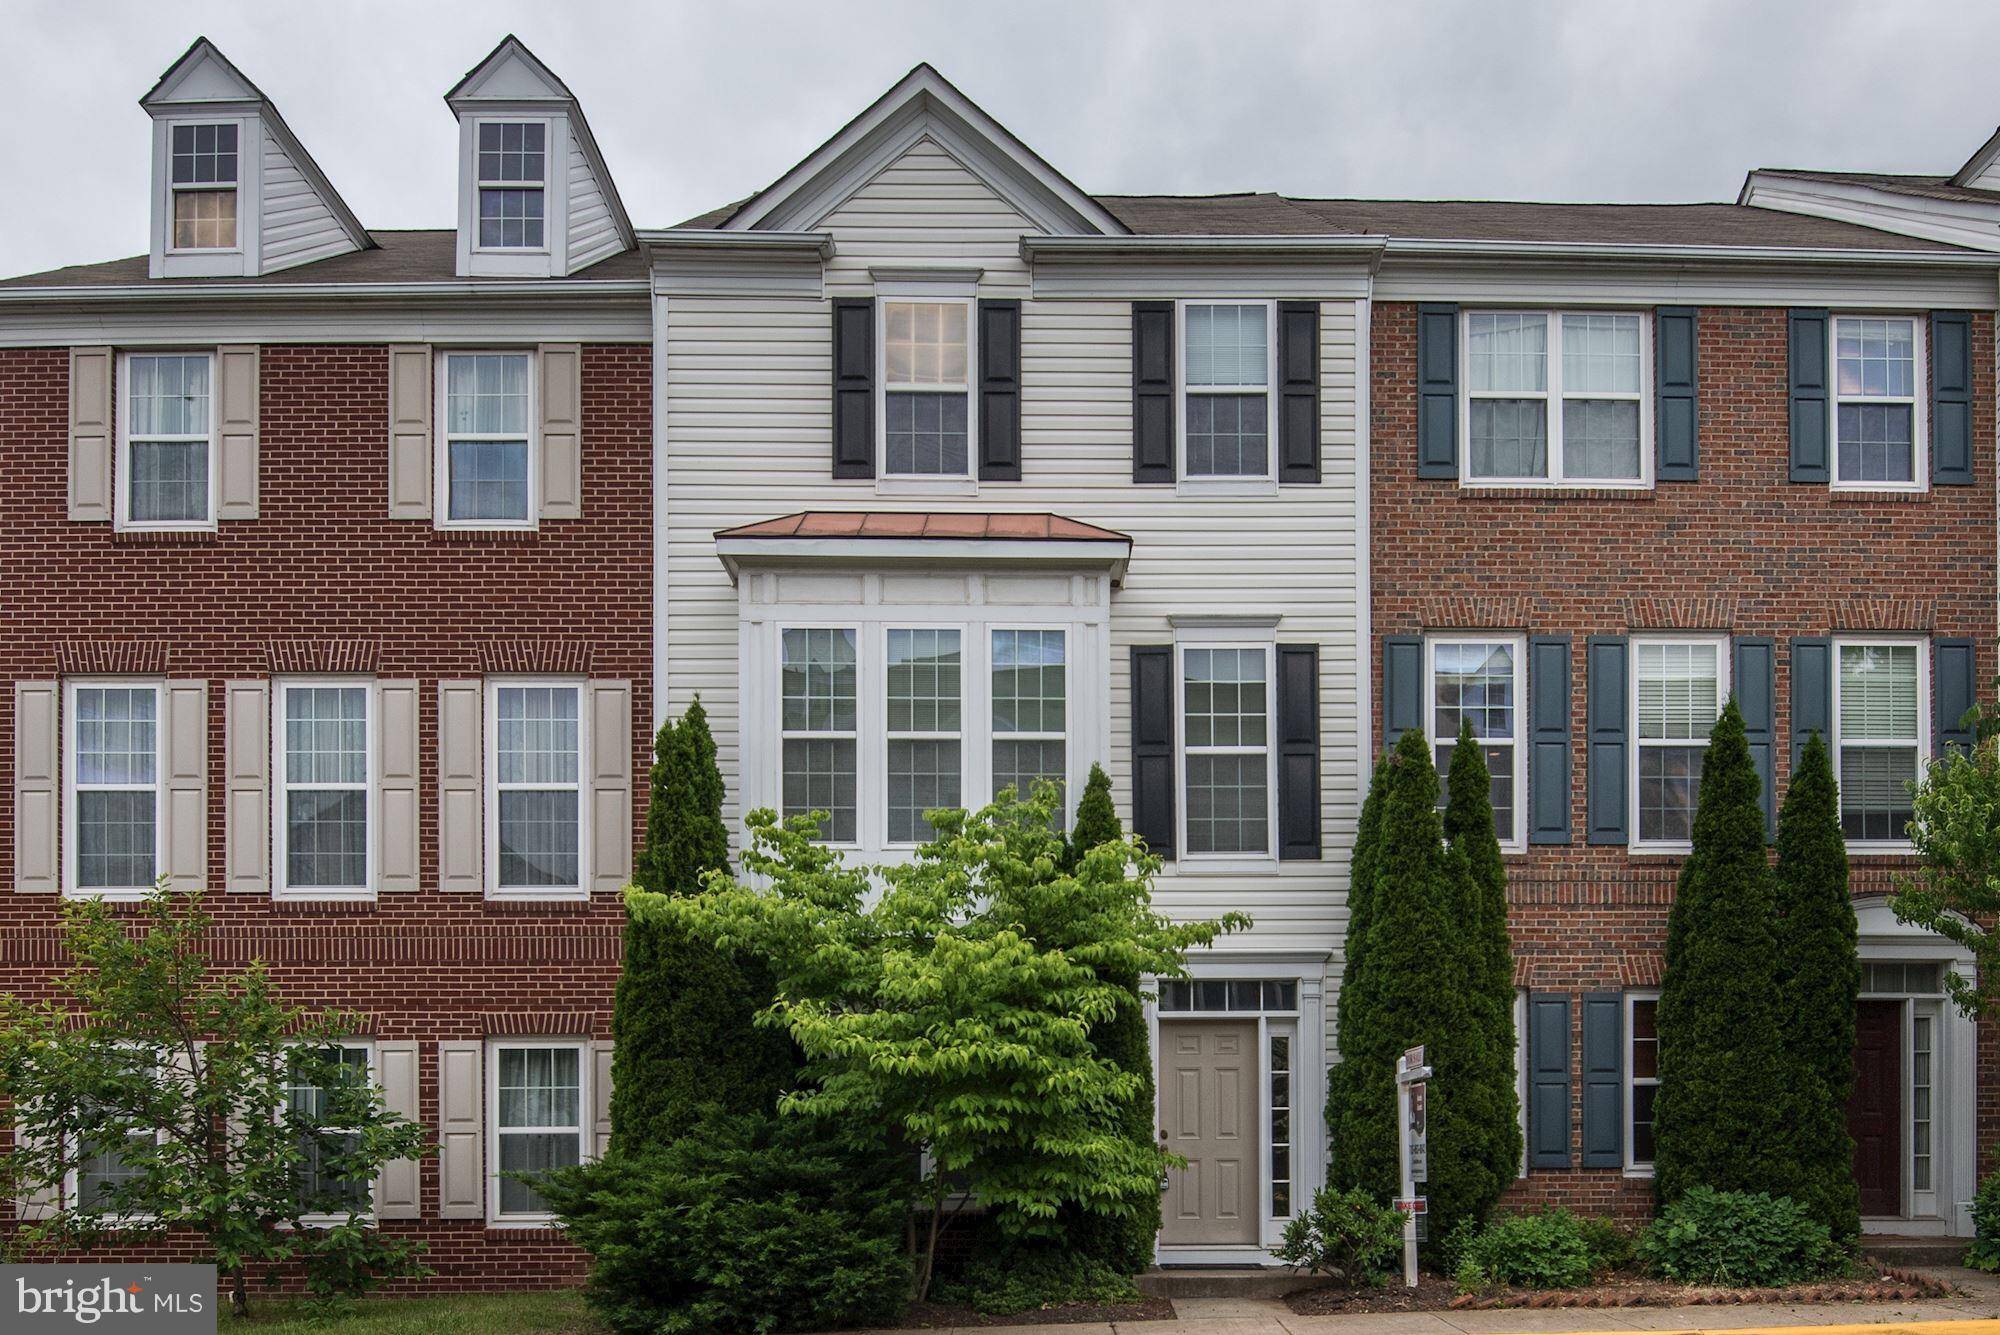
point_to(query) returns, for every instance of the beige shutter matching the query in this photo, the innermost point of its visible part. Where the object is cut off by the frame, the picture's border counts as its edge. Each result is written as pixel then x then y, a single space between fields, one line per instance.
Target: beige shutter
pixel 90 380
pixel 600 1097
pixel 410 443
pixel 461 1131
pixel 610 785
pixel 461 787
pixel 396 746
pixel 37 786
pixel 186 734
pixel 37 1202
pixel 246 786
pixel 237 395
pixel 396 1183
pixel 562 430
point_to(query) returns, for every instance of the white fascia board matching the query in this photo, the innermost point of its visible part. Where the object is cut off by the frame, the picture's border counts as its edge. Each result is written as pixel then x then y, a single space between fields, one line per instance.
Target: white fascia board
pixel 1590 250
pixel 717 241
pixel 1170 249
pixel 1953 222
pixel 739 554
pixel 1981 159
pixel 550 288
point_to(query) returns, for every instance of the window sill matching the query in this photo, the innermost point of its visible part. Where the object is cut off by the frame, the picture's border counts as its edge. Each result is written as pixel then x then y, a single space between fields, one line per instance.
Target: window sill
pixel 507 903
pixel 1660 850
pixel 138 537
pixel 301 904
pixel 1639 1174
pixel 1553 491
pixel 544 1224
pixel 926 486
pixel 488 534
pixel 1211 487
pixel 1224 866
pixel 1878 850
pixel 1865 495
pixel 108 896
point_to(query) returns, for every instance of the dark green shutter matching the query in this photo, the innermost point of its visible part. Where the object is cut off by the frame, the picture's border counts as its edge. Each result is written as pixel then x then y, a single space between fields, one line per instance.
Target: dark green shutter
pixel 854 387
pixel 1548 740
pixel 1753 681
pixel 1951 398
pixel 1298 391
pixel 1437 391
pixel 1548 1080
pixel 1153 746
pixel 999 391
pixel 1402 686
pixel 1605 738
pixel 1298 752
pixel 1812 693
pixel 1952 691
pixel 1603 1080
pixel 1676 384
pixel 1152 391
pixel 1810 404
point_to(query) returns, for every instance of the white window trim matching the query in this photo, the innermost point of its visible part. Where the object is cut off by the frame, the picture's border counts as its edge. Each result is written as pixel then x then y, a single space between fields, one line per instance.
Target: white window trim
pixel 249 148
pixel 122 469
pixel 1722 683
pixel 1518 843
pixel 491 743
pixel 495 1218
pixel 1226 637
pixel 1920 466
pixel 993 736
pixel 366 1046
pixel 1552 393
pixel 443 437
pixel 70 761
pixel 1633 1167
pixel 551 169
pixel 1222 484
pixel 927 294
pixel 72 1183
pixel 966 656
pixel 1923 742
pixel 280 783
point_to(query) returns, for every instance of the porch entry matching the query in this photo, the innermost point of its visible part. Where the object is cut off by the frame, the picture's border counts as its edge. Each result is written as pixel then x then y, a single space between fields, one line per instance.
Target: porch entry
pixel 1892 1114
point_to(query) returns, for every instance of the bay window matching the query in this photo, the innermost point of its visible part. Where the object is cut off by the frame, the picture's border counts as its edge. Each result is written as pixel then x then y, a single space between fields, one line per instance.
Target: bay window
pixel 1557 398
pixel 925 769
pixel 1478 680
pixel 1877 418
pixel 1228 383
pixel 1030 710
pixel 1881 732
pixel 820 766
pixel 1678 687
pixel 537 762
pixel 114 805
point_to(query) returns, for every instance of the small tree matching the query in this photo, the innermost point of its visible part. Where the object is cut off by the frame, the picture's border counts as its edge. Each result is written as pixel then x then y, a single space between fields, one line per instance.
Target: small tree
pixel 1723 1112
pixel 1096 818
pixel 1955 893
pixel 186 1074
pixel 1342 1170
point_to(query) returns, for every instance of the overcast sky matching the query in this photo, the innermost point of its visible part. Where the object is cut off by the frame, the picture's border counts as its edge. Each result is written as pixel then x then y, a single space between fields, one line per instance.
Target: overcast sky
pixel 697 104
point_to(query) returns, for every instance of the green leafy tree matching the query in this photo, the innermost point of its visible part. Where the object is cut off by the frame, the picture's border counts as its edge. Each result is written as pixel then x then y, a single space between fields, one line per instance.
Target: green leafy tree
pixel 683 1015
pixel 1342 1169
pixel 1722 1117
pixel 1955 892
pixel 955 1006
pixel 185 1073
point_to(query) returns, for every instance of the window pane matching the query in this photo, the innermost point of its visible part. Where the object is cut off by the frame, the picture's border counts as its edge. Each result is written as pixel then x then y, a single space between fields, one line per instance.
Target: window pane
pixel 1645 1040
pixel 1474 681
pixel 926 434
pixel 538 734
pixel 168 396
pixel 1225 697
pixel 1878 692
pixel 114 839
pixel 924 343
pixel 1228 804
pixel 1507 352
pixel 1228 345
pixel 512 151
pixel 1875 358
pixel 204 154
pixel 1500 789
pixel 1601 354
pixel 818 680
pixel 1228 435
pixel 1679 690
pixel 489 480
pixel 326 734
pixel 1510 438
pixel 510 218
pixel 169 482
pixel 1875 791
pixel 538 839
pixel 326 838
pixel 1028 680
pixel 1876 442
pixel 1018 764
pixel 1642 1122
pixel 923 776
pixel 1669 779
pixel 923 680
pixel 1601 438
pixel 204 219
pixel 539 1087
pixel 819 775
pixel 101 1173
pixel 488 394
pixel 116 734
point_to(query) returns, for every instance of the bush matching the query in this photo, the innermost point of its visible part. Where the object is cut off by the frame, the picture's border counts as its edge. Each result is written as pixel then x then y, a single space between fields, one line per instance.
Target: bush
pixel 1611 1244
pixel 1347 1235
pixel 1738 1239
pixel 1544 1250
pixel 1026 1279
pixel 1984 1254
pixel 749 1223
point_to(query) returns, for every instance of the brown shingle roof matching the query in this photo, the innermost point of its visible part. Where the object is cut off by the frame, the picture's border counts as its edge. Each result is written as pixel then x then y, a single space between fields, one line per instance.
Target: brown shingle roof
pixel 960 525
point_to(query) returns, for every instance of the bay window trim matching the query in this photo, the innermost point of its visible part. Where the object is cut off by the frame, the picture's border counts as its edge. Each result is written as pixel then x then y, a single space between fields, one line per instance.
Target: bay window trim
pixel 495 1216
pixel 121 469
pixel 1517 842
pixel 942 291
pixel 1553 393
pixel 1920 472
pixel 71 759
pixel 443 436
pixel 1921 744
pixel 491 766
pixel 1225 637
pixel 281 784
pixel 1243 484
pixel 1720 643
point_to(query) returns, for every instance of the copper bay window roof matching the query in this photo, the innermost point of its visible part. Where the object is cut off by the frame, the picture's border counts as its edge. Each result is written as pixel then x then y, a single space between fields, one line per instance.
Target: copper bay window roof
pixel 924 537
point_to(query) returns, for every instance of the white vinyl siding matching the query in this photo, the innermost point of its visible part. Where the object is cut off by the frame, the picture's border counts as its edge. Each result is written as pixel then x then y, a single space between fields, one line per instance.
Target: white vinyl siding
pixel 1881 735
pixel 1556 399
pixel 593 231
pixel 1878 411
pixel 1678 686
pixel 114 775
pixel 298 226
pixel 1482 678
pixel 166 466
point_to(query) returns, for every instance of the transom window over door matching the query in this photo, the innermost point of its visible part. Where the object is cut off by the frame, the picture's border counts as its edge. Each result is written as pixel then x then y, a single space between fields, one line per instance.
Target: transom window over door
pixel 538 767
pixel 487 467
pixel 1876 421
pixel 324 775
pixel 513 179
pixel 203 176
pixel 924 716
pixel 1226 720
pixel 1679 687
pixel 926 386
pixel 165 463
pixel 1557 398
pixel 819 686
pixel 114 834
pixel 1880 734
pixel 1478 680
pixel 1226 370
pixel 1030 710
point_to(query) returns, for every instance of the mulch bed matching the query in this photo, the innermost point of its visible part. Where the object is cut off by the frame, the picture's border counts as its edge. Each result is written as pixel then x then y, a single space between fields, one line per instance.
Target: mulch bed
pixel 932 1316
pixel 1885 1284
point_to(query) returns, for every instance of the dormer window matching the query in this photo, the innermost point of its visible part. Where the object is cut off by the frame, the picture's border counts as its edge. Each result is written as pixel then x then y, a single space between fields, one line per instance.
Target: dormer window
pixel 513 158
pixel 203 182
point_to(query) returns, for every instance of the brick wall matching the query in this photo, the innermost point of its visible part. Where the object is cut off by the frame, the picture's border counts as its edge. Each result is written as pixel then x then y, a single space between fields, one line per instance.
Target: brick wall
pixel 1742 551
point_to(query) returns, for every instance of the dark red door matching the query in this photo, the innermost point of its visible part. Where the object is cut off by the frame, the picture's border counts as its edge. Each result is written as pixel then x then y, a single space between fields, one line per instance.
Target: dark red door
pixel 1875 1112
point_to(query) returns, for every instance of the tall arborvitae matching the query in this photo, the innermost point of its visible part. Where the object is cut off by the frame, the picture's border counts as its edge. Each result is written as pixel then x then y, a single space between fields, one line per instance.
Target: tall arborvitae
pixel 682 1017
pixel 1096 818
pixel 1341 1170
pixel 1722 1114
pixel 1820 975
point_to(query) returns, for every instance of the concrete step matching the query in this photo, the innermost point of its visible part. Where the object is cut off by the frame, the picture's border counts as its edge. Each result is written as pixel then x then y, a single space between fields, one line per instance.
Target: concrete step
pixel 1913 1249
pixel 1222 1282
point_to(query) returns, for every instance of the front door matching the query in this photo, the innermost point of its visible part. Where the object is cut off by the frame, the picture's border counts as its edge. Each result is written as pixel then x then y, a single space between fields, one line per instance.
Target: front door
pixel 1208 1114
pixel 1875 1112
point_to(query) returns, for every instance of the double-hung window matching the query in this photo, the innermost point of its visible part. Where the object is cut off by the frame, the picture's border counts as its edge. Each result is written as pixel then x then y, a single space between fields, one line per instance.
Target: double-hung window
pixel 1556 398
pixel 538 1101
pixel 109 1168
pixel 1478 679
pixel 1877 417
pixel 1642 1077
pixel 1030 710
pixel 1678 687
pixel 325 1090
pixel 486 466
pixel 202 166
pixel 1228 384
pixel 513 184
pixel 536 800
pixel 1881 707
pixel 819 675
pixel 1226 750
pixel 114 798
pixel 325 788
pixel 166 441
pixel 925 725
pixel 927 388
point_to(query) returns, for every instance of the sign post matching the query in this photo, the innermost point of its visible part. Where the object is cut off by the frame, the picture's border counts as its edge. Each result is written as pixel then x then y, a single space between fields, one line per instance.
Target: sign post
pixel 1413 1144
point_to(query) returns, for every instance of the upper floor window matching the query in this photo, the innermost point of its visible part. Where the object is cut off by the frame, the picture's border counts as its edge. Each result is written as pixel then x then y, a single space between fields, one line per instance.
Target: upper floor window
pixel 1478 679
pixel 1226 727
pixel 926 388
pixel 166 441
pixel 1556 398
pixel 486 465
pixel 513 184
pixel 537 799
pixel 1226 373
pixel 1877 421
pixel 1678 688
pixel 324 788
pixel 203 179
pixel 114 769
pixel 1880 734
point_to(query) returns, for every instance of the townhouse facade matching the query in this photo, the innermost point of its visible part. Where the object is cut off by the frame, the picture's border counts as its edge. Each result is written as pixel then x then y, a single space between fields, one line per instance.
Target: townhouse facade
pixel 348 572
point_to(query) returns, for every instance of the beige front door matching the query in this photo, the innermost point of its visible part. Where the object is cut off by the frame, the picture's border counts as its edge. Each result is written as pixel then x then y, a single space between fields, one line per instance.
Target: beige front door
pixel 1208 1115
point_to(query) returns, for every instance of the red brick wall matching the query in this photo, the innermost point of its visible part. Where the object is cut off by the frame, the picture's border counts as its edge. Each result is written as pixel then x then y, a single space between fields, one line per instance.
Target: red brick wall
pixel 323 568
pixel 1743 551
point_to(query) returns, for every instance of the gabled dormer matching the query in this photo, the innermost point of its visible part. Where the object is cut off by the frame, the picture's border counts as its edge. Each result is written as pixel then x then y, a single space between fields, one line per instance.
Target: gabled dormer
pixel 234 192
pixel 535 199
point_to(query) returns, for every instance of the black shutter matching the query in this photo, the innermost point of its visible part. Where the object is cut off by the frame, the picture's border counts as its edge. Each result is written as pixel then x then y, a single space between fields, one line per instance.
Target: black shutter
pixel 854 387
pixel 1952 690
pixel 1298 391
pixel 1298 752
pixel 1153 746
pixel 1812 693
pixel 1951 398
pixel 1603 1080
pixel 1548 740
pixel 1605 659
pixel 1152 391
pixel 1402 686
pixel 1676 386
pixel 1752 677
pixel 1809 397
pixel 999 391
pixel 1437 391
pixel 1548 1080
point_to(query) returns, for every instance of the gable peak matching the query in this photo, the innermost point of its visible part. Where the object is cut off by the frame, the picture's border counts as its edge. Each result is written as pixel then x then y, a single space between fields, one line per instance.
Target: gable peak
pixel 510 72
pixel 202 74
